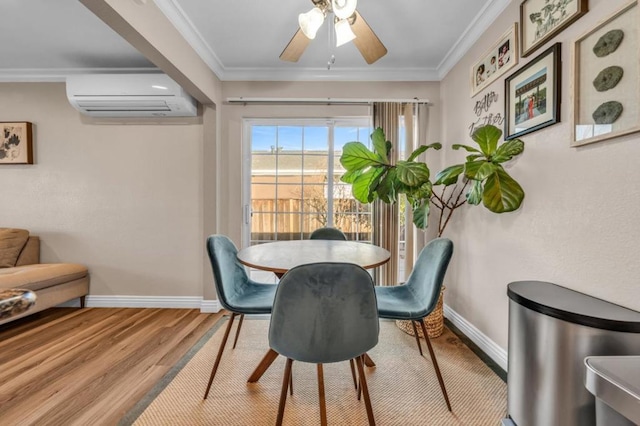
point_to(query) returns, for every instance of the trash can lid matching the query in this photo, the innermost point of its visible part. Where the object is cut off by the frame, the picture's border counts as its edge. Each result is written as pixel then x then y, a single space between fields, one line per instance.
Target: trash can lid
pixel 616 381
pixel 572 306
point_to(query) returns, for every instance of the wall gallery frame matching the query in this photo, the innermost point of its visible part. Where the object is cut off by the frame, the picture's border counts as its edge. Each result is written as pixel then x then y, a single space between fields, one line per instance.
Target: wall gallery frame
pixel 532 95
pixel 15 143
pixel 606 72
pixel 541 20
pixel 502 56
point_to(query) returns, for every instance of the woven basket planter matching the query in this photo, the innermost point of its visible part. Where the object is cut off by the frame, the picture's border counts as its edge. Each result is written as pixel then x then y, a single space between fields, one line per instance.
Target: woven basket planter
pixel 434 322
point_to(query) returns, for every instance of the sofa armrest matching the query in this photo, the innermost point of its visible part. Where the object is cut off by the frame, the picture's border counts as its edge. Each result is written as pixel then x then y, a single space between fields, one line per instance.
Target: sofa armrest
pixel 30 254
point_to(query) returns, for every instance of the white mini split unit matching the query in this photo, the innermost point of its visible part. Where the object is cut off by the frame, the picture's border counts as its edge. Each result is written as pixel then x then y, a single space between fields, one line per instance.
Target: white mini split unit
pixel 129 95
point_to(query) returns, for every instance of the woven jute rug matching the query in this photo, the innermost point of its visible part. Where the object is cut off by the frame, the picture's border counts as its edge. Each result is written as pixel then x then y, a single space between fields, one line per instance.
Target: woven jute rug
pixel 403 386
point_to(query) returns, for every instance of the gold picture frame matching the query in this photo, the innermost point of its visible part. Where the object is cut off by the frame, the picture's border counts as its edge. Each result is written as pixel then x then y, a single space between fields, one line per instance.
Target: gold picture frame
pixel 606 79
pixel 500 58
pixel 15 143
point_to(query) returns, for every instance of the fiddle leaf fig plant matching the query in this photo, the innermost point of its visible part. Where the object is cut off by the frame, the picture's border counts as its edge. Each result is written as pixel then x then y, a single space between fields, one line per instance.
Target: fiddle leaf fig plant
pixel 481 178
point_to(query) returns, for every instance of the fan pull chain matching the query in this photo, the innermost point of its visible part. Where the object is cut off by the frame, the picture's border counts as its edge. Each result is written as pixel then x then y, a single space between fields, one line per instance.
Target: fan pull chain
pixel 330 47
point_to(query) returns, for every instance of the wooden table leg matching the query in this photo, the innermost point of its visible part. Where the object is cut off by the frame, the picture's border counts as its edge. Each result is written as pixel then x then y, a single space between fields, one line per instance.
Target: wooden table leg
pixel 368 361
pixel 264 365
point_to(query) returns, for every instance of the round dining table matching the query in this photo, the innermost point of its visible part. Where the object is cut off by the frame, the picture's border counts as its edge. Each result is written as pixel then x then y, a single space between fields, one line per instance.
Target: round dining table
pixel 280 256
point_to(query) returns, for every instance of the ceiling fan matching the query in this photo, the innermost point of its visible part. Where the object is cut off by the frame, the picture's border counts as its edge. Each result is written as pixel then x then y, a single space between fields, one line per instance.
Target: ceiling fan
pixel 349 26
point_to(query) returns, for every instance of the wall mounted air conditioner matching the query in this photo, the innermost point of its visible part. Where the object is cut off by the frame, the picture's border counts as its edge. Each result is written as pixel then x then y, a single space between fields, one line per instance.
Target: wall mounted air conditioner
pixel 129 95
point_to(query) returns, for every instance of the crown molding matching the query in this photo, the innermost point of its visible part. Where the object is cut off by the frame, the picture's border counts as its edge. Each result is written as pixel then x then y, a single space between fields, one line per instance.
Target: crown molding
pixel 322 74
pixel 185 26
pixel 471 34
pixel 43 75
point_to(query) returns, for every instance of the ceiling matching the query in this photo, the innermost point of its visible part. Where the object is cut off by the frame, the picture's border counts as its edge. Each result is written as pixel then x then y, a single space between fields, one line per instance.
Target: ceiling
pixel 242 39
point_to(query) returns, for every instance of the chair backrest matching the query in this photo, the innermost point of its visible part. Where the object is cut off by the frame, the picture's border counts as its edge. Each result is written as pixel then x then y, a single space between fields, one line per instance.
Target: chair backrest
pixel 324 312
pixel 230 275
pixel 328 233
pixel 428 273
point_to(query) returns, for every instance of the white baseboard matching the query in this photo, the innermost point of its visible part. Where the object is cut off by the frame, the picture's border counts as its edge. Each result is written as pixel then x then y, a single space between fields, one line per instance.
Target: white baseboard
pixel 488 346
pixel 169 302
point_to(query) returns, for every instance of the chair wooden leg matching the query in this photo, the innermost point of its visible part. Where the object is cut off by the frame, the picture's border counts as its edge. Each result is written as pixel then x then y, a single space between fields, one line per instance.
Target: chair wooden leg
pixel 365 391
pixel 368 361
pixel 264 365
pixel 415 333
pixel 323 403
pixel 291 382
pixel 435 365
pixel 219 357
pixel 283 392
pixel 83 301
pixel 235 341
pixel 353 373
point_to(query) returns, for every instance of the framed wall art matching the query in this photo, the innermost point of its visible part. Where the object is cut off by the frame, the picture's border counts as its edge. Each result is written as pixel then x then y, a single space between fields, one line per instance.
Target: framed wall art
pixel 541 20
pixel 15 143
pixel 606 72
pixel 502 56
pixel 532 95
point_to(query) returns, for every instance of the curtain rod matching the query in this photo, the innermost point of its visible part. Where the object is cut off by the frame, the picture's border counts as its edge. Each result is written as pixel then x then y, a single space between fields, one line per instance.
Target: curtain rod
pixel 322 101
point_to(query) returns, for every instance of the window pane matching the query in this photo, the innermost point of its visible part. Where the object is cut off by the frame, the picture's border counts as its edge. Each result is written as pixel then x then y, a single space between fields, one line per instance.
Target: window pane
pixel 289 226
pixel 290 164
pixel 289 139
pixel 316 139
pixel 315 199
pixel 263 138
pixel 263 165
pixel 313 221
pixel 289 196
pixel 263 198
pixel 263 226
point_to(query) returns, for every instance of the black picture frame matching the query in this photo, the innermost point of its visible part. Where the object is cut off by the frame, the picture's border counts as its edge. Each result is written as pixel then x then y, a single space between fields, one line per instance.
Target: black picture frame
pixel 532 94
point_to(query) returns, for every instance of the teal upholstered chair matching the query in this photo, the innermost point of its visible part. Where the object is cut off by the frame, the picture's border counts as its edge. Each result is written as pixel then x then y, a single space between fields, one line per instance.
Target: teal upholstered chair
pixel 237 293
pixel 328 233
pixel 417 298
pixel 324 313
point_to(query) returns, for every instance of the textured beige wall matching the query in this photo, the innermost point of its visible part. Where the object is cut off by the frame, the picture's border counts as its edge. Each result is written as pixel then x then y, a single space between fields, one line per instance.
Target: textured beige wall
pixel 578 225
pixel 125 200
pixel 230 165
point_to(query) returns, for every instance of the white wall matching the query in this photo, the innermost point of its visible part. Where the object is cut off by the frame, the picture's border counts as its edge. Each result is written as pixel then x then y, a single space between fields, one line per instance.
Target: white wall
pixel 125 200
pixel 578 224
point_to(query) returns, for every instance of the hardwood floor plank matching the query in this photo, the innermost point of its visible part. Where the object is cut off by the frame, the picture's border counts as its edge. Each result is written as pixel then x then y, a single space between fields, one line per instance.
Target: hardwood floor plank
pixel 92 366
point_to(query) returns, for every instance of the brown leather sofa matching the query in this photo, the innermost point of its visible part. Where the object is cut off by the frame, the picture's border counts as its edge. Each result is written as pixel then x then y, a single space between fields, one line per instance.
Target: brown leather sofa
pixel 53 283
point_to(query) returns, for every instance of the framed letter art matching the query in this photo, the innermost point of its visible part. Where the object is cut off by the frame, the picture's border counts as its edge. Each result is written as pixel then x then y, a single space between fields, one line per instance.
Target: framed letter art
pixel 532 95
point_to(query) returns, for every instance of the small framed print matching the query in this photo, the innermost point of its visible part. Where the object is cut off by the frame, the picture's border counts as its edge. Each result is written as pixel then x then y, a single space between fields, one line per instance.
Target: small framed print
pixel 541 20
pixel 532 95
pixel 502 56
pixel 15 143
pixel 606 73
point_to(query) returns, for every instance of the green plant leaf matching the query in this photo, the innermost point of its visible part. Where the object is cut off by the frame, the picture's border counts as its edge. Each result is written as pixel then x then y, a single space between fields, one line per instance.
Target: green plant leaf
pixel 449 176
pixel 508 150
pixel 412 173
pixel 474 157
pixel 387 188
pixel 457 146
pixel 487 138
pixel 351 175
pixel 474 195
pixel 421 215
pixel 380 144
pixel 502 193
pixel 356 156
pixel 423 148
pixel 478 170
pixel 361 187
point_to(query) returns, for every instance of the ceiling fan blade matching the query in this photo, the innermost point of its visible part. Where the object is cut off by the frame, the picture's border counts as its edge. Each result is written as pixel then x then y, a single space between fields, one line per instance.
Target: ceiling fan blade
pixel 367 41
pixel 296 47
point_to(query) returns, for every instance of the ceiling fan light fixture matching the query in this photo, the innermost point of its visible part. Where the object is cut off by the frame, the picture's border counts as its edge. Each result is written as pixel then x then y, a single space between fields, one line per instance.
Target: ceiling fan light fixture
pixel 344 33
pixel 311 22
pixel 343 9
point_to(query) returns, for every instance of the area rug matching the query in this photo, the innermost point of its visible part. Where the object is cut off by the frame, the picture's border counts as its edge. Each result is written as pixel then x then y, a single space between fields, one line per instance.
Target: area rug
pixel 403 386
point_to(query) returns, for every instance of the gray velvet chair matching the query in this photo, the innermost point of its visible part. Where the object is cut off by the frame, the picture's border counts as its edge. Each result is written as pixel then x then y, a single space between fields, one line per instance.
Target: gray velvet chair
pixel 328 233
pixel 324 313
pixel 237 293
pixel 417 298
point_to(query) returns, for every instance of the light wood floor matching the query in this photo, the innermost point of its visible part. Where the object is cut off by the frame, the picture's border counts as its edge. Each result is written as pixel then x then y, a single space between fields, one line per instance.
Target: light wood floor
pixel 70 366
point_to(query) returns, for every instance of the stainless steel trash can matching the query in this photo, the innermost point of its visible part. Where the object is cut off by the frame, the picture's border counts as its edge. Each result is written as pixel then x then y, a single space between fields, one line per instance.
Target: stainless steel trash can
pixel 615 382
pixel 551 330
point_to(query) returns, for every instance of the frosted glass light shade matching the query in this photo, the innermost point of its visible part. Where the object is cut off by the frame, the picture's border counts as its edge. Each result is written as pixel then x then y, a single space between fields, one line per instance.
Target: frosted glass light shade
pixel 344 33
pixel 343 9
pixel 311 22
